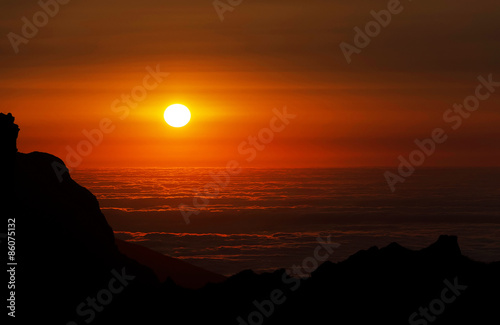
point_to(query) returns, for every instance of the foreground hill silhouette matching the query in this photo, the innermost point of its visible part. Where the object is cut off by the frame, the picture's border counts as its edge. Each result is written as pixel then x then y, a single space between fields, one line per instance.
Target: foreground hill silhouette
pixel 72 271
pixel 66 251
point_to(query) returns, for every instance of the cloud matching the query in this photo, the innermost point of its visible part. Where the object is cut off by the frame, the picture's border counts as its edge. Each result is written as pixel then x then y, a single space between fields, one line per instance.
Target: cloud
pixel 230 253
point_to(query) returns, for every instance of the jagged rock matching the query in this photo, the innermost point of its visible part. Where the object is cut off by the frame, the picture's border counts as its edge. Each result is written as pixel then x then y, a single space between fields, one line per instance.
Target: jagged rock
pixel 65 248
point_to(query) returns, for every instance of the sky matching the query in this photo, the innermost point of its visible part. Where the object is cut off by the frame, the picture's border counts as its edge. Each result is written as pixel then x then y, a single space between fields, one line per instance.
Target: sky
pixel 234 74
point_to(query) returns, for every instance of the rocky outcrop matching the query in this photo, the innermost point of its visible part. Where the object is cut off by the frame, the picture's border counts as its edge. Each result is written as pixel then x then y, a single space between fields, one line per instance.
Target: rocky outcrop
pixel 65 249
pixel 390 285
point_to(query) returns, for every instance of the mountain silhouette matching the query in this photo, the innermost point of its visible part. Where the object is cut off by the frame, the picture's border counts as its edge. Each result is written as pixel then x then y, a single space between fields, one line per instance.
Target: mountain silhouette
pixel 71 270
pixel 66 250
pixel 391 285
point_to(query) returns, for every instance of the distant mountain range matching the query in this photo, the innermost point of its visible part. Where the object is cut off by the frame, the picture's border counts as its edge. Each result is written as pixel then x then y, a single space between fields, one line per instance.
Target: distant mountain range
pixel 71 270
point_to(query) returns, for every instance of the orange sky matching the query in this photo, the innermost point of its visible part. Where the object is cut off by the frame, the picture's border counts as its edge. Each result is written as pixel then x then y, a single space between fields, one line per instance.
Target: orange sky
pixel 231 74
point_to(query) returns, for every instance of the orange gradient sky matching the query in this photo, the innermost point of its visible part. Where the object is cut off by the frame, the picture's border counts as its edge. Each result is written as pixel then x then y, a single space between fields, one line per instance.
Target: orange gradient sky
pixel 231 74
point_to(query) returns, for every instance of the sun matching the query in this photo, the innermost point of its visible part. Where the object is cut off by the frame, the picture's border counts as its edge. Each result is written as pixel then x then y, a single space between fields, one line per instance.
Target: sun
pixel 177 115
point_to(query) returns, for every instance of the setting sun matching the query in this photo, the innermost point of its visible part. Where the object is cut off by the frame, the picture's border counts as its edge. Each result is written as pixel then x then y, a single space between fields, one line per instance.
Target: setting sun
pixel 177 115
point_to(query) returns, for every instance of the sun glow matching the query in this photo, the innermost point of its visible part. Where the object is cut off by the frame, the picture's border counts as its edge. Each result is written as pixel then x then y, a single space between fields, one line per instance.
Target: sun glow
pixel 177 115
